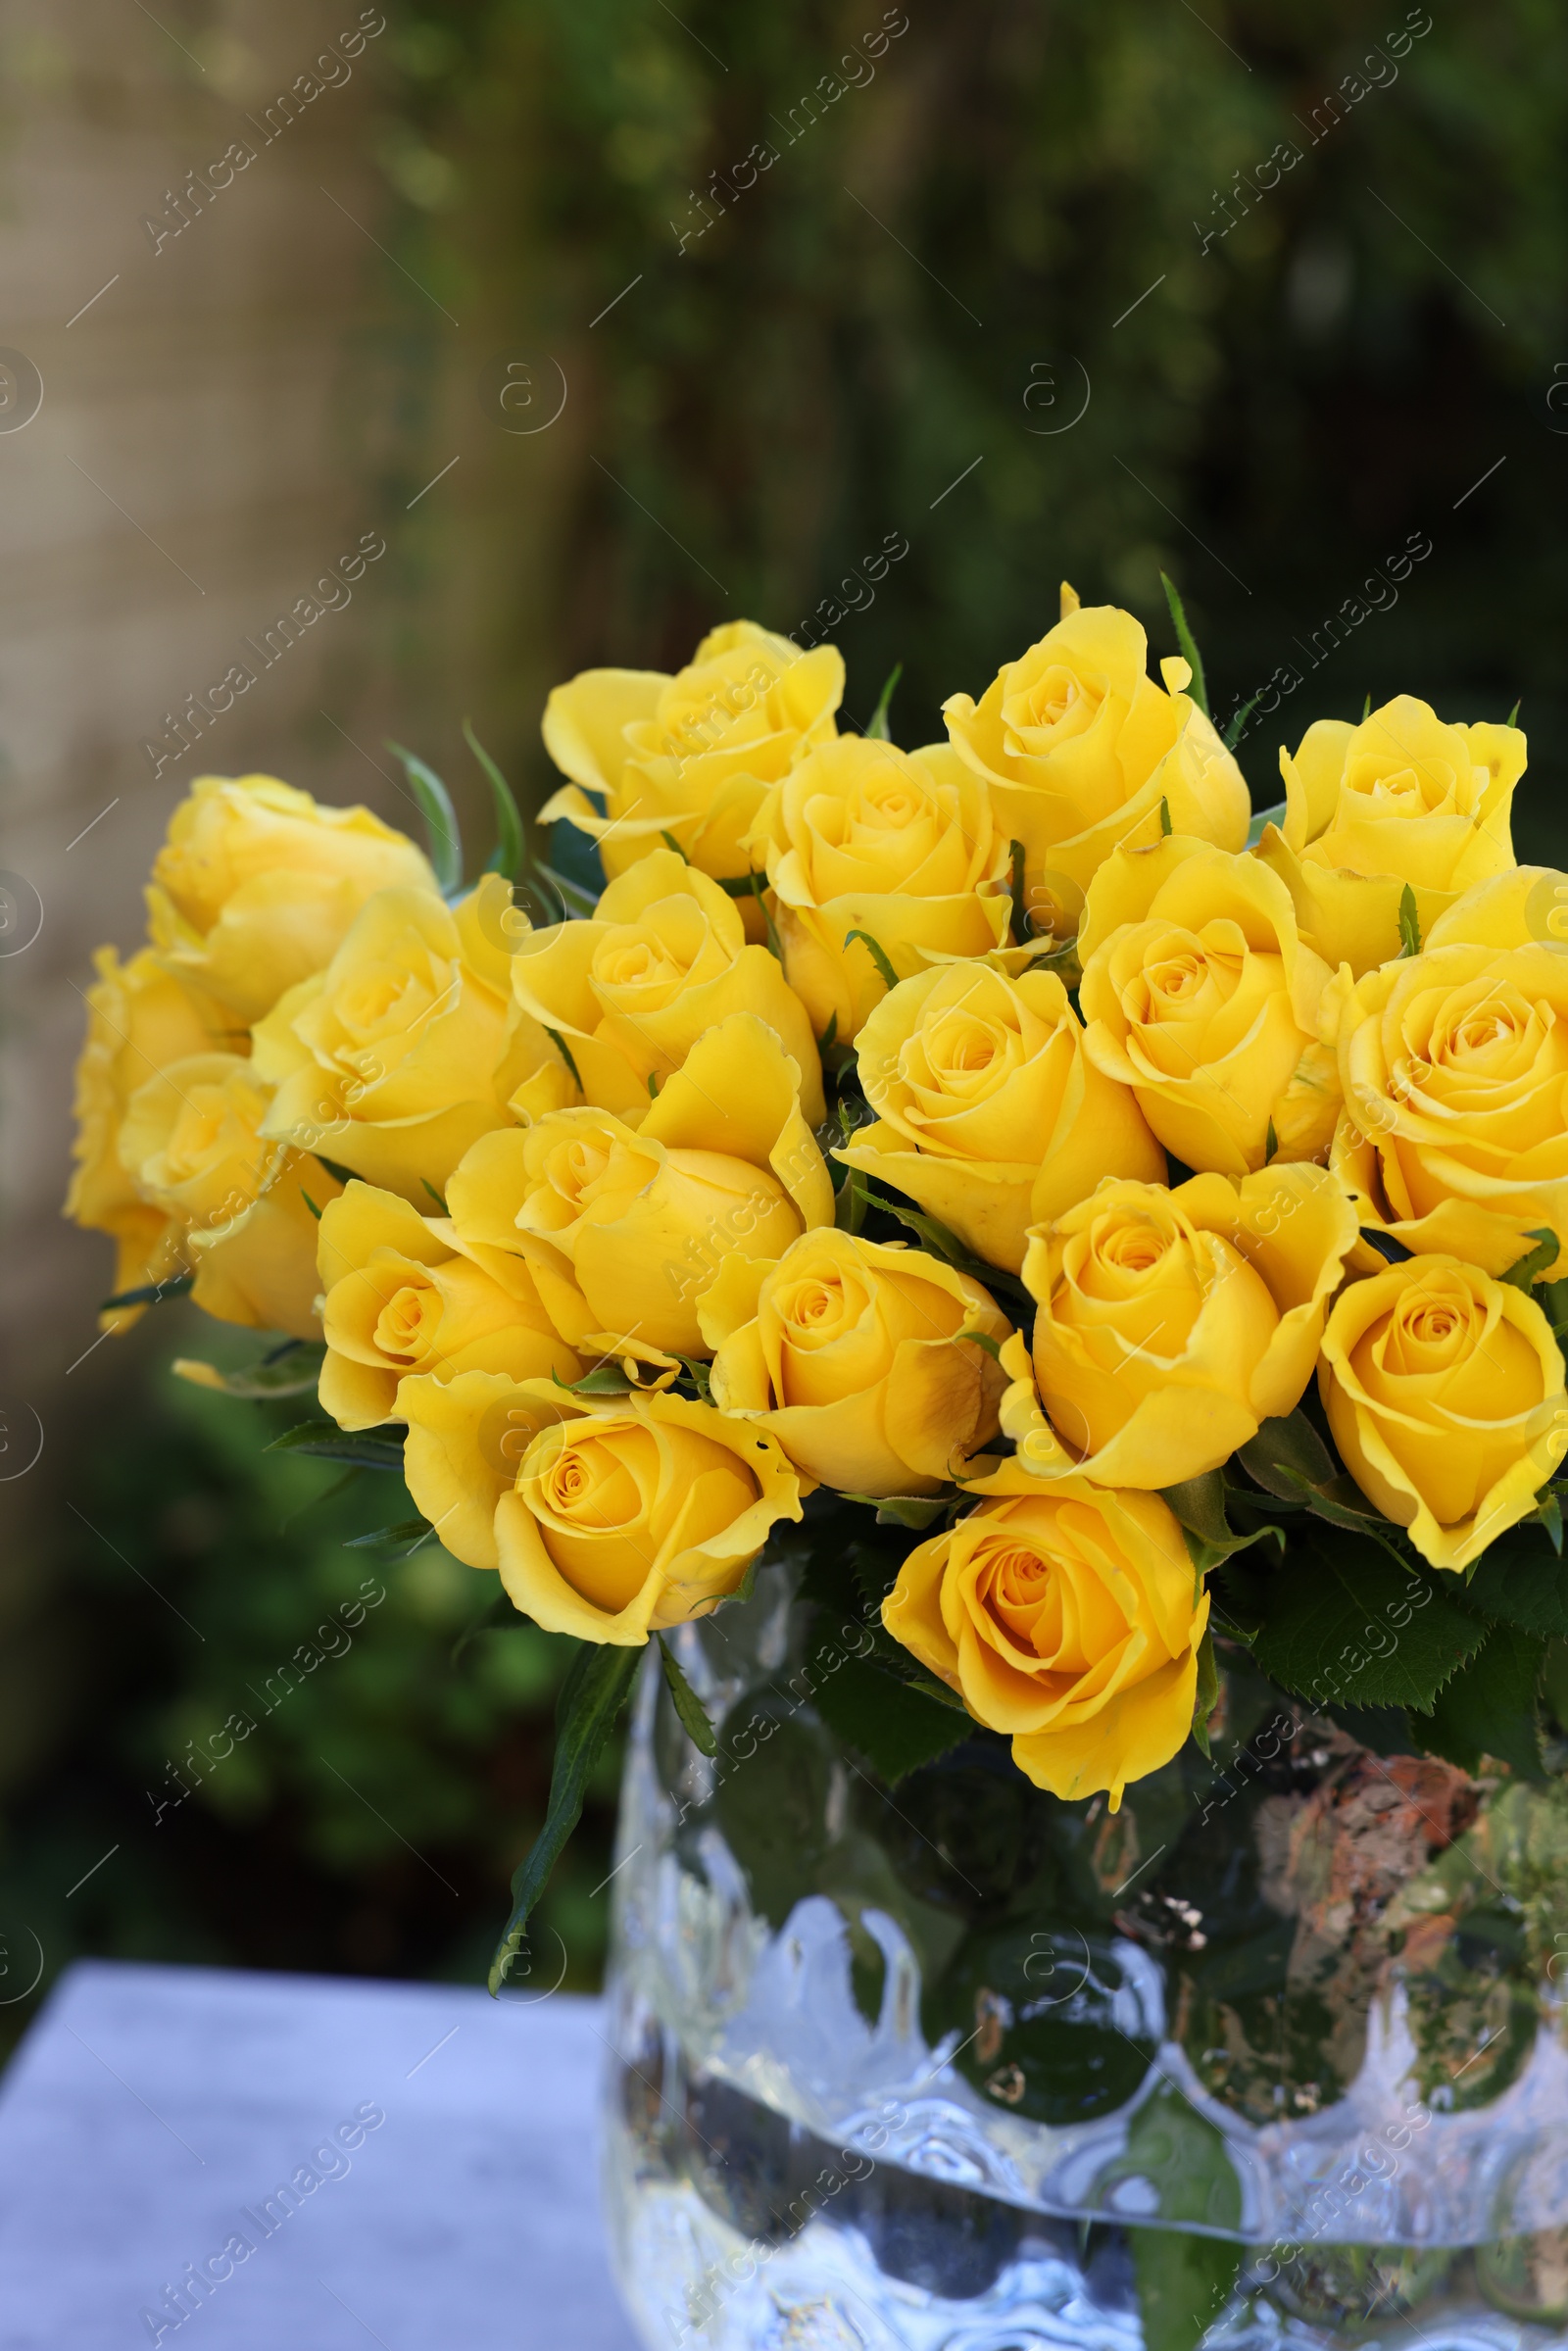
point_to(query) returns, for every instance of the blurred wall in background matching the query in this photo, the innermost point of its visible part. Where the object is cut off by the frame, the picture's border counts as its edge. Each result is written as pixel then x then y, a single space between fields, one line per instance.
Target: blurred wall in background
pixel 610 323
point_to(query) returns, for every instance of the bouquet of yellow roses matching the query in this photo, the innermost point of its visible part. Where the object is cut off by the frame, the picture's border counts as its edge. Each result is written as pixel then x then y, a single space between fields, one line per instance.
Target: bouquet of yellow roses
pixel 1081 1220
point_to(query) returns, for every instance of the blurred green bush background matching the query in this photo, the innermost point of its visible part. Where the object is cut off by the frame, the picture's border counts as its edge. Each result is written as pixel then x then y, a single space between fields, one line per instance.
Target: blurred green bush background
pixel 890 332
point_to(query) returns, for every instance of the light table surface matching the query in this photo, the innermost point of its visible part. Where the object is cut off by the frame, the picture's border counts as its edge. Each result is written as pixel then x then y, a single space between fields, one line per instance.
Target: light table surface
pixel 152 2111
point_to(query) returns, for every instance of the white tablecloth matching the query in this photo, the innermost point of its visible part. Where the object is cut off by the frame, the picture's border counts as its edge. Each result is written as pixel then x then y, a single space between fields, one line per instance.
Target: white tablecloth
pixel 152 2111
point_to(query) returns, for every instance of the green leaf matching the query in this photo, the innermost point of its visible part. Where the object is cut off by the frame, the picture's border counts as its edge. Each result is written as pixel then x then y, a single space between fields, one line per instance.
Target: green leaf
pixel 291 1370
pixel 1206 1697
pixel 325 1442
pixel 1513 1585
pixel 408 1530
pixel 1410 923
pixel 941 1240
pixel 440 817
pixel 879 730
pixel 984 1343
pixel 889 978
pixel 1237 725
pixel 895 1726
pixel 499 1615
pixel 688 1705
pixel 1512 719
pixel 1491 1708
pixel 1165 815
pixel 1523 1272
pixel 1262 818
pixel 1199 688
pixel 1021 911
pixel 1346 1624
pixel 1184 2278
pixel 914 1510
pixel 310 1203
pixel 572 895
pixel 1367 710
pixel 1198 1505
pixel 1184 2283
pixel 1290 1444
pixel 564 1051
pixel 435 1195
pixel 1547 1513
pixel 151 1293
pixel 509 854
pixel 1272 1142
pixel 824 1043
pixel 592 1695
pixel 605 1379
pixel 670 842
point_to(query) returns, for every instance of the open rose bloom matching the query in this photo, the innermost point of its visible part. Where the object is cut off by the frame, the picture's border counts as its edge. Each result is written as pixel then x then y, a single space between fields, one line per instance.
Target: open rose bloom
pixel 1014 1312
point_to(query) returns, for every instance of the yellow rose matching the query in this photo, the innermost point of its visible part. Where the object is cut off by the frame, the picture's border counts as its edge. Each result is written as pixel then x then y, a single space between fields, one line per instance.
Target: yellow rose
pixel 1172 1323
pixel 1198 993
pixel 1454 1066
pixel 608 1518
pixel 855 1357
pixel 408 1298
pixel 625 1228
pixel 690 755
pixel 1078 747
pixel 1444 1393
pixel 990 1115
pixel 896 845
pixel 140 1019
pixel 662 960
pixel 1400 800
pixel 191 1142
pixel 257 883
pixel 395 1057
pixel 1065 1617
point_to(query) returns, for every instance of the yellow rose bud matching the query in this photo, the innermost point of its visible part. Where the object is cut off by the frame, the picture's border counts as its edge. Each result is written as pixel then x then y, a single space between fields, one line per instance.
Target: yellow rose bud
pixel 691 756
pixel 990 1115
pixel 1454 1065
pixel 1065 1617
pixel 1444 1393
pixel 392 1061
pixel 625 1228
pixel 257 883
pixel 631 990
pixel 608 1519
pixel 140 1019
pixel 408 1298
pixel 191 1142
pixel 899 847
pixel 1198 993
pixel 1172 1323
pixel 1078 747
pixel 858 1359
pixel 1399 800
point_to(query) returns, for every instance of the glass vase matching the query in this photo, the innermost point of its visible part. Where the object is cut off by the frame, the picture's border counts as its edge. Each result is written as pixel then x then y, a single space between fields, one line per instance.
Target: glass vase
pixel 1274 2054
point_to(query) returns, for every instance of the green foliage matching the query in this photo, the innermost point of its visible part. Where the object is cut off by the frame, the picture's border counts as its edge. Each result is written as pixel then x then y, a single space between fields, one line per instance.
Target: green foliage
pixel 1490 1707
pixel 893 1725
pixel 592 1696
pixel 440 817
pixel 1347 1625
pixel 369 1813
pixel 1199 688
pixel 686 1702
pixel 510 852
pixel 1184 2280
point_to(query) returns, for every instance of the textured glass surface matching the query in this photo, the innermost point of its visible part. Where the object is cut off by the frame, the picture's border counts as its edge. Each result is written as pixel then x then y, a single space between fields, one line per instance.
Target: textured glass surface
pixel 1278 2051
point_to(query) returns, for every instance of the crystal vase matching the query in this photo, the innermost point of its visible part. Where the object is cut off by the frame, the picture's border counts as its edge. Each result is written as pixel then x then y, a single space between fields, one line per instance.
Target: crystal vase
pixel 1274 2054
